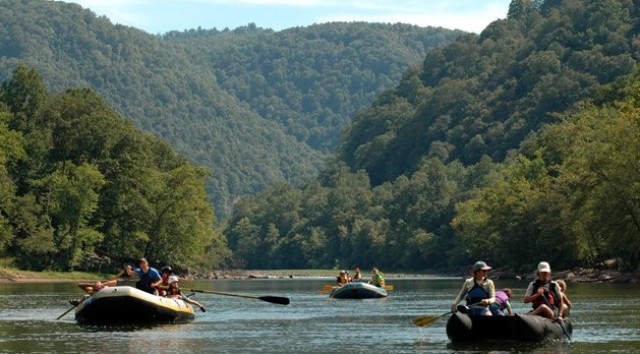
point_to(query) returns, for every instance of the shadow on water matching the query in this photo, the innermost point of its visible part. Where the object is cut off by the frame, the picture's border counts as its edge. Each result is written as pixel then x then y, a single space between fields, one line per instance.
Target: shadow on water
pixel 118 327
pixel 511 347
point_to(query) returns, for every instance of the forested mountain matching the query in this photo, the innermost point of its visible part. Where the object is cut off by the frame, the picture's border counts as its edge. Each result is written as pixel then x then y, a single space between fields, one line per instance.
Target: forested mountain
pixel 311 80
pixel 513 146
pixel 253 105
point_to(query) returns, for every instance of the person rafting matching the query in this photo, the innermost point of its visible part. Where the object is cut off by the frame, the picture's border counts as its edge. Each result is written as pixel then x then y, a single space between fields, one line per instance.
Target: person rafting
pixel 163 284
pixel 175 292
pixel 147 276
pixel 92 288
pixel 377 277
pixel 342 278
pixel 479 291
pixel 357 276
pixel 503 303
pixel 565 298
pixel 544 294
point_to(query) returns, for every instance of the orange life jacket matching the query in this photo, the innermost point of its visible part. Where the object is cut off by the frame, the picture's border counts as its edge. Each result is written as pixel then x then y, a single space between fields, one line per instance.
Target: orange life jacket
pixel 549 293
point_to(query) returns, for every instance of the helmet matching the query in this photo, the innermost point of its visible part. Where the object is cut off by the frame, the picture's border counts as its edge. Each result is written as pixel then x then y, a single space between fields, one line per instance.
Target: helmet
pixel 173 279
pixel 166 269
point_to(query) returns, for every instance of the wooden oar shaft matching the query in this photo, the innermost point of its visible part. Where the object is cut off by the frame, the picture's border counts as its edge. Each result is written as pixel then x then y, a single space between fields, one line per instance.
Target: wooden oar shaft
pixel 272 299
pixel 66 312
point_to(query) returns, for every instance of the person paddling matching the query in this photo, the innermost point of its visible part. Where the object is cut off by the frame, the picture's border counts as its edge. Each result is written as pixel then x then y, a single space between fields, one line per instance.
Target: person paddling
pixel 544 294
pixel 92 288
pixel 478 290
pixel 377 277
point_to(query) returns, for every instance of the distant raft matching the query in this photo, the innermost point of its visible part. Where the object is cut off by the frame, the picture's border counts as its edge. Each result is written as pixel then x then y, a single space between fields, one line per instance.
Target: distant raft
pixel 358 290
pixel 125 304
pixel 520 328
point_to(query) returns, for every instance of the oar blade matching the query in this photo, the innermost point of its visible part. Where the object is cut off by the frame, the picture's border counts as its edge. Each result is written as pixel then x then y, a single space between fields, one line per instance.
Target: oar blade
pixel 424 320
pixel 327 287
pixel 388 287
pixel 275 300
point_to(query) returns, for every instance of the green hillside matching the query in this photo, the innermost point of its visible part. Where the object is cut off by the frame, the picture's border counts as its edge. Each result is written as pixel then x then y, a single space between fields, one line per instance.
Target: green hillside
pixel 253 105
pixel 490 150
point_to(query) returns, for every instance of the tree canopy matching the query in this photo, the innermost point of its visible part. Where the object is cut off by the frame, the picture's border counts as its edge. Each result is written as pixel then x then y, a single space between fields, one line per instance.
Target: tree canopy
pixel 80 181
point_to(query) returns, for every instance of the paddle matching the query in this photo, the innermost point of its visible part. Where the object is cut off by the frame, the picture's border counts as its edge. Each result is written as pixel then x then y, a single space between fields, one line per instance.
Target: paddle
pixel 560 322
pixel 272 299
pixel 422 321
pixel 88 287
pixel 427 320
pixel 69 310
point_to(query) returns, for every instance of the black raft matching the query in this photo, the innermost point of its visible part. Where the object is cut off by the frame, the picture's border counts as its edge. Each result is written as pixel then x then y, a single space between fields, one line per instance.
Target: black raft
pixel 521 328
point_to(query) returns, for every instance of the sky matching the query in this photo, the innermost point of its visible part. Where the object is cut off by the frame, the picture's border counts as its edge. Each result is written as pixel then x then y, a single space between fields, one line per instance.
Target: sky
pixel 161 16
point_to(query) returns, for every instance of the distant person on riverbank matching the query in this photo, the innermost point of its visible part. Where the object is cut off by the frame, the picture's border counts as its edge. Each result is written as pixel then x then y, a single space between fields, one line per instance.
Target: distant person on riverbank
pixel 565 298
pixel 544 294
pixel 175 292
pixel 503 302
pixel 357 276
pixel 147 276
pixel 377 277
pixel 479 291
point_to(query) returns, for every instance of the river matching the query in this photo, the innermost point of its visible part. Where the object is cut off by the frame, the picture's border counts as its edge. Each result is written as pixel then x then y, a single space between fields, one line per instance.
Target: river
pixel 606 319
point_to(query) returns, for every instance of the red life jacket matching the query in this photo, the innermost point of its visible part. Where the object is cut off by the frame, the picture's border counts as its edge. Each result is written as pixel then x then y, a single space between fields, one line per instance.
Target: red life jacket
pixel 549 292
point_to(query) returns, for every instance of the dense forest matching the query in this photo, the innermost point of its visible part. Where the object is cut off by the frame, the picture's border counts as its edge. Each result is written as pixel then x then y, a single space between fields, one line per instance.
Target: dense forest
pixel 253 105
pixel 82 187
pixel 512 146
pixel 387 145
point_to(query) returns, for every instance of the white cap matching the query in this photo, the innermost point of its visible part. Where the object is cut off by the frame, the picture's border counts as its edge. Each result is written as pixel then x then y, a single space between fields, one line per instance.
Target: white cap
pixel 173 279
pixel 544 267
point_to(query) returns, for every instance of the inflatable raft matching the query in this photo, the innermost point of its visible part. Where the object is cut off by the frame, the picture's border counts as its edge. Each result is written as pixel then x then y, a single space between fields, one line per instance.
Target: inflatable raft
pixel 125 304
pixel 521 328
pixel 358 290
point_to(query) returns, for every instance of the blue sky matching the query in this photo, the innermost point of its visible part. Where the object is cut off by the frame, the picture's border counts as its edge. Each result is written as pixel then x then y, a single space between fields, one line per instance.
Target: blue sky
pixel 161 16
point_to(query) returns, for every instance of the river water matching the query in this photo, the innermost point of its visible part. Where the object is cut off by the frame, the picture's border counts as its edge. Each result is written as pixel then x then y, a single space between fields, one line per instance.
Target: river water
pixel 606 319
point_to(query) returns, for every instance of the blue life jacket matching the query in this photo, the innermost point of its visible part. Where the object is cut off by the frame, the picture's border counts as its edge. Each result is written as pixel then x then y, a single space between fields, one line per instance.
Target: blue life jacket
pixel 476 294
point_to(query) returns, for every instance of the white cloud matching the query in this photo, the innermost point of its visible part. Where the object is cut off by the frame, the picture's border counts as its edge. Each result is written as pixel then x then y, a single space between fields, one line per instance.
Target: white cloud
pixel 160 16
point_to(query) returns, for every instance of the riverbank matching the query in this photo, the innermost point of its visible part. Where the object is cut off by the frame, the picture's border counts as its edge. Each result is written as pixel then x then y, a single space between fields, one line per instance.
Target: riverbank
pixel 577 275
pixel 23 276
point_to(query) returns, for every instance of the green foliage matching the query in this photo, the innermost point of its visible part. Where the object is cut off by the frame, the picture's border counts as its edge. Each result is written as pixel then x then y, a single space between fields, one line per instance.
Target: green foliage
pixel 483 95
pixel 485 152
pixel 78 180
pixel 253 105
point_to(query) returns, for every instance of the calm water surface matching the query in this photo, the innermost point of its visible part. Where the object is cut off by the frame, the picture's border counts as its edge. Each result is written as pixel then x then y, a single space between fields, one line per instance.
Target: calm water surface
pixel 606 319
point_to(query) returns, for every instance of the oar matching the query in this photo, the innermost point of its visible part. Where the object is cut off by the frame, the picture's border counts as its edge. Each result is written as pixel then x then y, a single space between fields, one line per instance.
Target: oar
pixel 427 320
pixel 88 287
pixel 272 299
pixel 73 307
pixel 560 322
pixel 328 287
pixel 422 321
